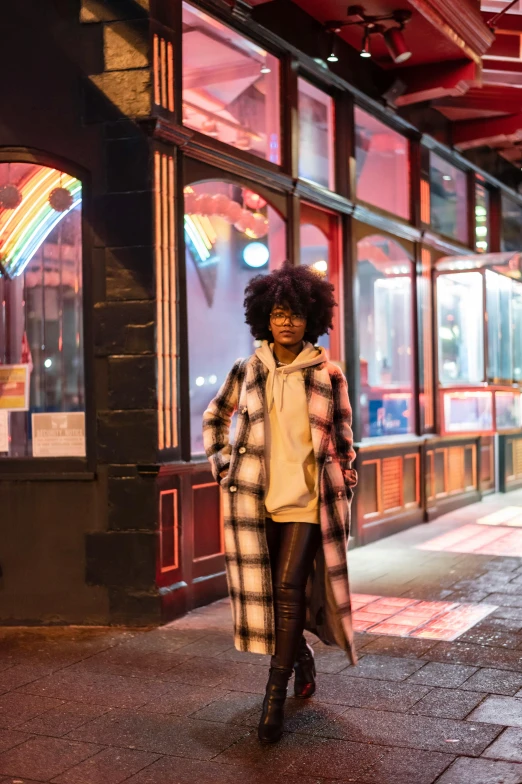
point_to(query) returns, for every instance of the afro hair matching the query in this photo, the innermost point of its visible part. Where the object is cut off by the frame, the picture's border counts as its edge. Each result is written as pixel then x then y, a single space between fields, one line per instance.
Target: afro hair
pixel 302 289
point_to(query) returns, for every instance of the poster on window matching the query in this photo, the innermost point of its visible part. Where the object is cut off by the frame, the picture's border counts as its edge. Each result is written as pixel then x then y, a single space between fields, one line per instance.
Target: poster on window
pixel 14 387
pixel 4 431
pixel 59 435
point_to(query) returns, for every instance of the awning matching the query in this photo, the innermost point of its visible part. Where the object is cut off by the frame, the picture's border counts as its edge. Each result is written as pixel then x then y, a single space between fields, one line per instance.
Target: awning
pixel 507 263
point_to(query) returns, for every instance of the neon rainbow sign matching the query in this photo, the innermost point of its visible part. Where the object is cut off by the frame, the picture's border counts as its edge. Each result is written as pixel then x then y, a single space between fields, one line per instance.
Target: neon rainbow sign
pixel 25 228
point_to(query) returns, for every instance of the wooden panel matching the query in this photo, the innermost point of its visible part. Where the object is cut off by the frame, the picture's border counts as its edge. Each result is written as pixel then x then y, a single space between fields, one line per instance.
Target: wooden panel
pixel 510 459
pixel 169 530
pixel 369 487
pixel 430 475
pixel 517 456
pixel 411 489
pixel 487 464
pixel 470 473
pixel 208 524
pixel 391 483
pixel 455 469
pixel 440 472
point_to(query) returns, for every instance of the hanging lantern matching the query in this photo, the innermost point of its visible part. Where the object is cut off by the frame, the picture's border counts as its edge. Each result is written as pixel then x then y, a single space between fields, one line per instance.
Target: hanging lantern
pixel 253 200
pixel 257 226
pixel 10 197
pixel 235 211
pixel 60 199
pixel 221 204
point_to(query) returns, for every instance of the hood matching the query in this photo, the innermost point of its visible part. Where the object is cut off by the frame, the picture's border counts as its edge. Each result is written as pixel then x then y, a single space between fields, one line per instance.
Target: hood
pixel 308 357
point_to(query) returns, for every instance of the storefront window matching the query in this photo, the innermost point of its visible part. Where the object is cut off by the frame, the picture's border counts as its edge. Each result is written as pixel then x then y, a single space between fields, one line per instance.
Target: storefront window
pixel 511 225
pixel 382 157
pixel 468 412
pixel 230 86
pixel 508 410
pixel 42 395
pixel 517 331
pixel 449 199
pixel 500 319
pixel 460 304
pixel 481 218
pixel 316 135
pixel 231 235
pixel 386 356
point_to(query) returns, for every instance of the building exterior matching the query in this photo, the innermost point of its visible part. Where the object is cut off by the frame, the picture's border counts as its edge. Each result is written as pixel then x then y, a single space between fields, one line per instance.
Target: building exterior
pixel 157 155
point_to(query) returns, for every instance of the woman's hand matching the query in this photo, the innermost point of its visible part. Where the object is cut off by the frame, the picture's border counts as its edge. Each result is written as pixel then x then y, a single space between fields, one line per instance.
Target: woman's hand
pixel 350 477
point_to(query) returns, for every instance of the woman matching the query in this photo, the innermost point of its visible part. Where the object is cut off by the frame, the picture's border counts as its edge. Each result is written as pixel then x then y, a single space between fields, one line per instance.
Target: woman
pixel 287 482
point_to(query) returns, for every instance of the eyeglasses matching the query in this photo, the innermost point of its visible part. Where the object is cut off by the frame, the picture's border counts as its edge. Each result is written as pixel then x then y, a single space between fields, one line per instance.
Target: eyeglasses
pixel 279 317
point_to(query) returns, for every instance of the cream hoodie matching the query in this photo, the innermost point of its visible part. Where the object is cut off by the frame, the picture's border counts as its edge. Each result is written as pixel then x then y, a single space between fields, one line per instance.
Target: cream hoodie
pixel 292 487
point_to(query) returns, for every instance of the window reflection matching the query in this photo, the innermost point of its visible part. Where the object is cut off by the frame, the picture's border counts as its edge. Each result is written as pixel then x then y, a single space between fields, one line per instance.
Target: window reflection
pixel 231 235
pixel 316 135
pixel 460 304
pixel 315 253
pixel 511 225
pixel 386 357
pixel 382 157
pixel 500 346
pixel 481 218
pixel 230 86
pixel 449 199
pixel 41 312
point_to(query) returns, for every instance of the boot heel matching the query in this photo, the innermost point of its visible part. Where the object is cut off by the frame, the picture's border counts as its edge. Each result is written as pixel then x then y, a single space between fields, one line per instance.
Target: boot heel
pixel 272 716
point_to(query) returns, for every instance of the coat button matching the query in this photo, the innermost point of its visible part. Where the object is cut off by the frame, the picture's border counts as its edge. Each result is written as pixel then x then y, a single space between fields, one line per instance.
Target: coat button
pixel 339 494
pixel 233 489
pixel 328 458
pixel 244 410
pixel 241 450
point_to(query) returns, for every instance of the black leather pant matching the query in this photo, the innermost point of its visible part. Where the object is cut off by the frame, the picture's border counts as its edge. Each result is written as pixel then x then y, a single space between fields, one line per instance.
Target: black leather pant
pixel 292 548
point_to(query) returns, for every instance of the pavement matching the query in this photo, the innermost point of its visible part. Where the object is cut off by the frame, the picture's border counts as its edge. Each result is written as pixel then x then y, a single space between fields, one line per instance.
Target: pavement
pixel 436 696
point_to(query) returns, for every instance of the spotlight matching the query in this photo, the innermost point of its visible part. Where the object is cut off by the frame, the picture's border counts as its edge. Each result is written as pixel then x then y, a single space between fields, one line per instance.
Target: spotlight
pixel 365 51
pixel 332 57
pixel 265 69
pixel 396 45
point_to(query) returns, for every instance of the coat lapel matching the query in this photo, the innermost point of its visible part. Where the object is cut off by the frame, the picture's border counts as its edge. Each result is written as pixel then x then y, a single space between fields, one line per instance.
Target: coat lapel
pixel 255 399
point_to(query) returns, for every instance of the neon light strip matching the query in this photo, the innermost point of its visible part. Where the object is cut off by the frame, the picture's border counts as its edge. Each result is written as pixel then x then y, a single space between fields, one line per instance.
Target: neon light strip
pixel 199 239
pixel 36 239
pixel 27 190
pixel 32 208
pixel 34 227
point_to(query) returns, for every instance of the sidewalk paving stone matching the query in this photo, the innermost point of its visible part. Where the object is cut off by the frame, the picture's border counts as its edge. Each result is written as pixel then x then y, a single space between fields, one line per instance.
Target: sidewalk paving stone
pixel 447 703
pixel 44 758
pixel 110 766
pixel 481 771
pixel 11 738
pixel 62 719
pixel 499 710
pixel 417 732
pixel 495 682
pixel 16 708
pixel 160 734
pixel 445 675
pixel 386 668
pixel 507 746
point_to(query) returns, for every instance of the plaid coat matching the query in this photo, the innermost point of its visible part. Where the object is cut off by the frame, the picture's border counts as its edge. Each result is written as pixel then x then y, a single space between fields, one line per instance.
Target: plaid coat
pixel 246 551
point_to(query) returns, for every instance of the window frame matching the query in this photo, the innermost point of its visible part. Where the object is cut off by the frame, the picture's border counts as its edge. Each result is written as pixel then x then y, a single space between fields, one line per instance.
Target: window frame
pixel 222 148
pixel 65 468
pixel 469 242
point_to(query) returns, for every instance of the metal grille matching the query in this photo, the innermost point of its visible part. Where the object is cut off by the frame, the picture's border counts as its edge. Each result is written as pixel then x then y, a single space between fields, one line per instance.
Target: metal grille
pixel 392 483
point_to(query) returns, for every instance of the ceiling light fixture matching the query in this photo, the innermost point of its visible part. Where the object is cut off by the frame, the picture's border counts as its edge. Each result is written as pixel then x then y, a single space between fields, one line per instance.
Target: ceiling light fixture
pixel 372 25
pixel 265 69
pixel 332 57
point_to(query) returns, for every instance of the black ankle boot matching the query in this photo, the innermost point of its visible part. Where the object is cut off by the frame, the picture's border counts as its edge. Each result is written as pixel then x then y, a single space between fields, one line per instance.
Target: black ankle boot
pixel 304 667
pixel 272 717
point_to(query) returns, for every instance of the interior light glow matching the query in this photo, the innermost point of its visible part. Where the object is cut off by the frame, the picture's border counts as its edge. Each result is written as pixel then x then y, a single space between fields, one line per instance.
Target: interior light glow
pixel 447 177
pixel 256 255
pixel 48 363
pixel 481 231
pixel 212 379
pixel 320 266
pixel 200 381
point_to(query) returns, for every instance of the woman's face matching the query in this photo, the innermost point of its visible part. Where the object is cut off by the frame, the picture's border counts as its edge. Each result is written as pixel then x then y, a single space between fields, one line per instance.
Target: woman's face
pixel 287 327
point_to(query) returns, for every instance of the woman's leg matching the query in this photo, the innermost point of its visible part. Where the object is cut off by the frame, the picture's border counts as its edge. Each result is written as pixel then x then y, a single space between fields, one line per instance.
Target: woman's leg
pixel 292 548
pixel 292 563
